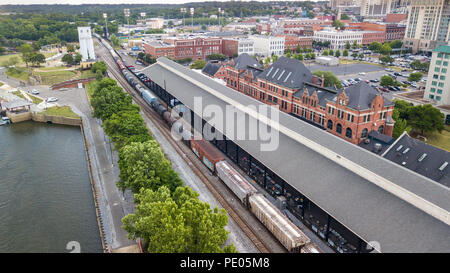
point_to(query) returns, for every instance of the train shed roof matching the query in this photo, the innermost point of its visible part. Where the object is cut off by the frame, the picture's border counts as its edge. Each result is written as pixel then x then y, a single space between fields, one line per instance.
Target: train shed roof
pixel 373 197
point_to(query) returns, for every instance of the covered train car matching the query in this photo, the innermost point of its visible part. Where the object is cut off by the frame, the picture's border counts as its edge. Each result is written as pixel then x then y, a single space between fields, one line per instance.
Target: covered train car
pixel 289 235
pixel 148 97
pixel 311 248
pixel 120 65
pixel 206 152
pixel 235 181
pixel 169 118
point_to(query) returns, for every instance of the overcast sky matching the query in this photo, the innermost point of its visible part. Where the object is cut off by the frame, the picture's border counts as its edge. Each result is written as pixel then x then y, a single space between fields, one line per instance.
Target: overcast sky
pixel 27 2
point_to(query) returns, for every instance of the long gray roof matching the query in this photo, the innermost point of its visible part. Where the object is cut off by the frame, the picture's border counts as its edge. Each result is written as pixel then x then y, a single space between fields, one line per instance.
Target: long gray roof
pixel 362 95
pixel 368 210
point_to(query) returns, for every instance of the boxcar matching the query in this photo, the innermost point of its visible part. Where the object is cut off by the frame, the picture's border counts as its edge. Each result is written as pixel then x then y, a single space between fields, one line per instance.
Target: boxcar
pixel 206 152
pixel 235 181
pixel 311 248
pixel 289 235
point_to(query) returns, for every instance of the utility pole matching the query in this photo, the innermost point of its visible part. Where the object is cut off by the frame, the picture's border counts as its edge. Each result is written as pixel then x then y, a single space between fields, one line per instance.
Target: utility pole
pixel 192 19
pixel 127 15
pixel 106 24
pixel 183 10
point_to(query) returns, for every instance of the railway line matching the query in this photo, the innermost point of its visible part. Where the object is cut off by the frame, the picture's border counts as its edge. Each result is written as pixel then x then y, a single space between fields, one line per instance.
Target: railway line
pixel 165 130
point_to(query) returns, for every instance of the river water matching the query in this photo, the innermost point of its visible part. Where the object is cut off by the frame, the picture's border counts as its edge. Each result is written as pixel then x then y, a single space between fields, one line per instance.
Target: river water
pixel 46 199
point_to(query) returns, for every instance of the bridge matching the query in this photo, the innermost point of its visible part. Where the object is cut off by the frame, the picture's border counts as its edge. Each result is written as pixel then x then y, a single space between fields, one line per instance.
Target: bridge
pixel 350 189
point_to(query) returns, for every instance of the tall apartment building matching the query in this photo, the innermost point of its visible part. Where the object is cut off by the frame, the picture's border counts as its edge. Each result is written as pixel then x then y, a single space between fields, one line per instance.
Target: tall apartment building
pixel 268 45
pixel 438 83
pixel 375 7
pixel 428 24
pixel 351 113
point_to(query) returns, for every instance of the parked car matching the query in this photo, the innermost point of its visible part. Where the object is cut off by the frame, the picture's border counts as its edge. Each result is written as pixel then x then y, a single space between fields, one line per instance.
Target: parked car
pixel 384 89
pixel 51 99
pixel 34 92
pixel 362 73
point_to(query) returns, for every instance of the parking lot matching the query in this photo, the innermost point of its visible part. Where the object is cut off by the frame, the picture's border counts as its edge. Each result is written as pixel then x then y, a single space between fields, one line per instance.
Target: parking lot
pixel 347 69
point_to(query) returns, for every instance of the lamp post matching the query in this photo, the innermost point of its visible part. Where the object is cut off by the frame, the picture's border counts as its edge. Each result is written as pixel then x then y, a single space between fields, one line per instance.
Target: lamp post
pixel 183 10
pixel 106 24
pixel 219 16
pixel 192 19
pixel 127 15
pixel 220 27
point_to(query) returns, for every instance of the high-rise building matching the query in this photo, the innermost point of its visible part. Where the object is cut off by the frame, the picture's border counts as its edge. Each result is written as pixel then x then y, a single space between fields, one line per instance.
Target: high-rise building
pixel 86 43
pixel 428 24
pixel 438 83
pixel 375 7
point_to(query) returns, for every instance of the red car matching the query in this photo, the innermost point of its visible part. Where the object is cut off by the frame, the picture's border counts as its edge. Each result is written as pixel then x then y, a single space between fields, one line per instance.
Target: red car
pixel 384 89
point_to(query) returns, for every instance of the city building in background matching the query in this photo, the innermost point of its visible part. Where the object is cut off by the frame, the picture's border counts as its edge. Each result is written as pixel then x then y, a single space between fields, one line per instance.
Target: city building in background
pixel 338 38
pixel 428 24
pixel 268 45
pixel 438 83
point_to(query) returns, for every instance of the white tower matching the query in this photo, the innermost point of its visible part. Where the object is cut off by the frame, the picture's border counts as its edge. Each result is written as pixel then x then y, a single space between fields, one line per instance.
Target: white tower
pixel 86 43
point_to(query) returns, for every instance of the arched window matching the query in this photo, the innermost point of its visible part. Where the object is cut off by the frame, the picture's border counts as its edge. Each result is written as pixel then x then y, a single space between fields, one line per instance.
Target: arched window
pixel 381 129
pixel 339 128
pixel 364 133
pixel 348 133
pixel 330 124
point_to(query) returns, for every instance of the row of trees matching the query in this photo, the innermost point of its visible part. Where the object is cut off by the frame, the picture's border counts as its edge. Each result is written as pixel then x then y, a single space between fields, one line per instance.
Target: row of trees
pixel 423 118
pixel 169 217
pixel 146 58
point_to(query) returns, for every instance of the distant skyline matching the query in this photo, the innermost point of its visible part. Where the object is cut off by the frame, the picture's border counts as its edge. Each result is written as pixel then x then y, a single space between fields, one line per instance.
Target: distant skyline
pixel 80 2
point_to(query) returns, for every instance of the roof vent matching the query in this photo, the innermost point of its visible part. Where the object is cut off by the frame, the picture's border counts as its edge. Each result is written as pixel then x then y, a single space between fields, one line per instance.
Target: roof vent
pixel 399 148
pixel 422 157
pixel 404 163
pixel 406 150
pixel 442 167
pixel 377 147
pixel 367 141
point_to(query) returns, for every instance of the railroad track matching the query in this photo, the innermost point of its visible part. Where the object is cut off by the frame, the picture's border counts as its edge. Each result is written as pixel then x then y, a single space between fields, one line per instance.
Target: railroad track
pixel 163 128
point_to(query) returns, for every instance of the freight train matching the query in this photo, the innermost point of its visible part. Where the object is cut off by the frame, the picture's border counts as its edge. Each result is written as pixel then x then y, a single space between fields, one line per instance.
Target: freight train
pixel 289 235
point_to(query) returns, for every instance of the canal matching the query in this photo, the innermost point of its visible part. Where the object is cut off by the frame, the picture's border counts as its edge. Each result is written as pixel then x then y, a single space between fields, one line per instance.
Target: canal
pixel 46 199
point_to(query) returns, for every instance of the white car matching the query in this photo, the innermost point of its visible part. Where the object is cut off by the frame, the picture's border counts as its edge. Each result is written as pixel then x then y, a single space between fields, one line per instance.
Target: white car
pixel 362 73
pixel 51 99
pixel 34 92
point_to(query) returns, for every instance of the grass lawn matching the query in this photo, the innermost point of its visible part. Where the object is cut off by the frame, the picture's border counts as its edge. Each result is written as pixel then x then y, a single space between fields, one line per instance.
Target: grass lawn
pixel 53 77
pixel 19 94
pixel 90 88
pixel 86 74
pixel 440 140
pixel 17 73
pixel 52 68
pixel 1 83
pixel 35 100
pixel 7 57
pixel 63 111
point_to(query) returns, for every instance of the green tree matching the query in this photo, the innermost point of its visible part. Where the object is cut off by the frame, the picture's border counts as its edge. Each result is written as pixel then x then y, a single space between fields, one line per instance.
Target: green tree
pixel 68 59
pixel 298 49
pixel 325 53
pixel 77 58
pixel 426 118
pixel 344 17
pixel 331 52
pixel 386 59
pixel 403 108
pixel 143 165
pixel 396 44
pixel 386 81
pixel 27 52
pixel 198 64
pixel 337 53
pixel 70 48
pixel 13 61
pixel 347 45
pixel 37 58
pixel 114 40
pixel 415 77
pixel 177 224
pixel 355 44
pixel 345 53
pixel 385 49
pixel 126 126
pixel 375 46
pixel 400 126
pixel 337 24
pixel 99 66
pixel 330 79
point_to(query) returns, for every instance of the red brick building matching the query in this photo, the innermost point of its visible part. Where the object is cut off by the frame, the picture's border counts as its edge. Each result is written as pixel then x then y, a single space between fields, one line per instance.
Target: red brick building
pixel 263 28
pixel 373 36
pixel 395 17
pixel 230 47
pixel 350 113
pixel 195 48
pixel 159 49
pixel 395 32
pixel 292 41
